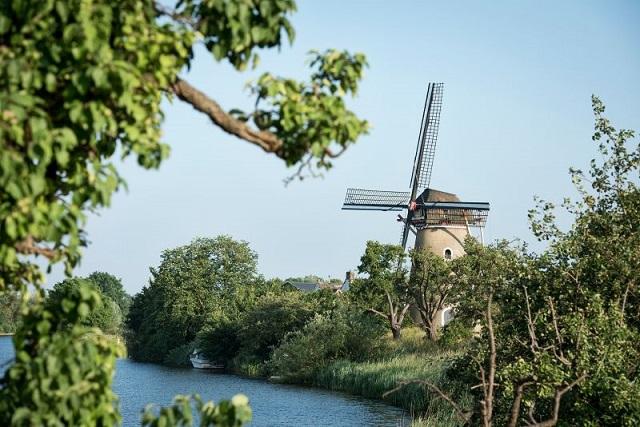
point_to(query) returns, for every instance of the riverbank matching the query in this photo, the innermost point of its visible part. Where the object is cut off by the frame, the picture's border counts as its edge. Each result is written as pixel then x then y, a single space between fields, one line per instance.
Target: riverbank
pixel 410 358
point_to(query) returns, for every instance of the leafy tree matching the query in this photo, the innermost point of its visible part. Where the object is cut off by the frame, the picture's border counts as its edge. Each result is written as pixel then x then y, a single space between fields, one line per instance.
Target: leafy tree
pixel 264 327
pixel 383 291
pixel 82 79
pixel 192 283
pixel 111 287
pixel 105 315
pixel 431 283
pixel 559 330
pixel 219 339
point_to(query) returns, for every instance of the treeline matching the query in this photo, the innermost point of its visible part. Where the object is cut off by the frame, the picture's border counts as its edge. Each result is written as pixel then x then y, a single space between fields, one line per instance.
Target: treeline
pixel 209 295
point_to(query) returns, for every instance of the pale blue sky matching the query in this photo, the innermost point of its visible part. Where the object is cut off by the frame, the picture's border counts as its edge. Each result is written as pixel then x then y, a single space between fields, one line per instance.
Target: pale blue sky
pixel 518 79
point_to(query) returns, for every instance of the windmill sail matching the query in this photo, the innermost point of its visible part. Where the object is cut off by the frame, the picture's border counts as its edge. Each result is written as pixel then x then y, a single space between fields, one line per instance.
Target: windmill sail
pixel 375 200
pixel 426 150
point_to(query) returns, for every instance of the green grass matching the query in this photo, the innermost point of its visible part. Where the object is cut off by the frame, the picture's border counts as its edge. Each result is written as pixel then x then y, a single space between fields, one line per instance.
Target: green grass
pixel 412 358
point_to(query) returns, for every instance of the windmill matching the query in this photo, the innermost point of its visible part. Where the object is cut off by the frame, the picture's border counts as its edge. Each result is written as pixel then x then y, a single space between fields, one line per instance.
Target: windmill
pixel 439 220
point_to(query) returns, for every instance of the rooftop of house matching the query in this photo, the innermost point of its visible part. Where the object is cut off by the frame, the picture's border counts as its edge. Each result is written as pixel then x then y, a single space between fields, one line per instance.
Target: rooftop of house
pixel 304 287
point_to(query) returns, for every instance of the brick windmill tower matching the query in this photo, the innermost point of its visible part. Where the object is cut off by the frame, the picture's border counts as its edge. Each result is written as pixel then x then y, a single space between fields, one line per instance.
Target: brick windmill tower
pixel 440 221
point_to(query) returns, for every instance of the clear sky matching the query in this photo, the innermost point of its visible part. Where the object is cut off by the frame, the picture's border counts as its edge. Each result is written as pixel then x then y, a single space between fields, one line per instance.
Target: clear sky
pixel 518 80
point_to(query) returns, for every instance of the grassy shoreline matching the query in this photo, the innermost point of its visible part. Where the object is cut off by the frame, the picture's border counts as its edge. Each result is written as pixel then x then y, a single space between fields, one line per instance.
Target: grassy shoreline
pixel 410 358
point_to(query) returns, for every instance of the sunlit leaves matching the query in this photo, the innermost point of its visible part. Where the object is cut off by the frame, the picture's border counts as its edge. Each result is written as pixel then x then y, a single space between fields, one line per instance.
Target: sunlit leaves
pixel 312 118
pixel 74 87
pixel 234 29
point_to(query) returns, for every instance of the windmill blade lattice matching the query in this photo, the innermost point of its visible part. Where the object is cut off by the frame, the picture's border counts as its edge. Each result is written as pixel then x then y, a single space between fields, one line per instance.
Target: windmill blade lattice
pixel 428 136
pixel 375 200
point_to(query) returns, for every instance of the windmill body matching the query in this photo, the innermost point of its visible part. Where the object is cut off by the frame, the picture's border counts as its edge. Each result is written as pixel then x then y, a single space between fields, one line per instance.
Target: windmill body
pixel 440 220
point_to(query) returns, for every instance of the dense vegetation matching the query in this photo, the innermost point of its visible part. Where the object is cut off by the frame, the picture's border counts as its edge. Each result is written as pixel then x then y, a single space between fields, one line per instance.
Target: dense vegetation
pixel 108 313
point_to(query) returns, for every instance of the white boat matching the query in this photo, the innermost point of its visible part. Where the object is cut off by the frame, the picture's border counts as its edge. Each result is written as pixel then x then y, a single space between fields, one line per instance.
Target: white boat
pixel 198 361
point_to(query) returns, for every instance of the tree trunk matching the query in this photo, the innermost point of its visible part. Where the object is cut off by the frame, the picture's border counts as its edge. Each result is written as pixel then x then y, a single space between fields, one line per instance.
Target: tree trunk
pixel 430 325
pixel 433 331
pixel 395 331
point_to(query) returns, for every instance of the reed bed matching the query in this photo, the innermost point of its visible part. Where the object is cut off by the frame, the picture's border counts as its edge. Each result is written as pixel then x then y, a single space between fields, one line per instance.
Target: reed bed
pixel 411 358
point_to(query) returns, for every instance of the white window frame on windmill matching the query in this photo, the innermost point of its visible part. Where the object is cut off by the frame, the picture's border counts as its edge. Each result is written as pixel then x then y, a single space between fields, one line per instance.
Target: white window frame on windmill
pixel 444 254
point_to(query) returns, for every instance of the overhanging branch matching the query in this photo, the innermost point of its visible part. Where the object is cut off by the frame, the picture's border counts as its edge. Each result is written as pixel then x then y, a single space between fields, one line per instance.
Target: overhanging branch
pixel 201 102
pixel 29 247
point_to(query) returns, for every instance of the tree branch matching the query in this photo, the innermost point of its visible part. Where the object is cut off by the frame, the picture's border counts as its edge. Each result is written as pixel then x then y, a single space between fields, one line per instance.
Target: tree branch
pixel 29 247
pixel 201 102
pixel 517 401
pixel 556 404
pixel 379 313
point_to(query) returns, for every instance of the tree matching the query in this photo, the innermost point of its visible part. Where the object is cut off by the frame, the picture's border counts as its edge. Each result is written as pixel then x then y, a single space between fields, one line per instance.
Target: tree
pixel 192 283
pixel 559 330
pixel 263 328
pixel 111 287
pixel 430 284
pixel 82 79
pixel 106 314
pixel 383 292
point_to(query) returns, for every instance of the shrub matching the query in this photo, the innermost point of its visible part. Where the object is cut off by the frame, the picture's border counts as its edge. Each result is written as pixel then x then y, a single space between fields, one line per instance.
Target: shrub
pixel 219 339
pixel 262 328
pixel 179 356
pixel 326 338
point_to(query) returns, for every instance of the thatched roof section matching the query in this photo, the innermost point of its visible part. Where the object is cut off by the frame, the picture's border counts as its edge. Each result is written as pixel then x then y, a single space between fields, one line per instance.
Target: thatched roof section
pixel 431 195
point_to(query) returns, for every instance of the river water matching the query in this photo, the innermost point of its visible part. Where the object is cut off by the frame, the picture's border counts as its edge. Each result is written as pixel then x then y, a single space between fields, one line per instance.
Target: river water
pixel 138 384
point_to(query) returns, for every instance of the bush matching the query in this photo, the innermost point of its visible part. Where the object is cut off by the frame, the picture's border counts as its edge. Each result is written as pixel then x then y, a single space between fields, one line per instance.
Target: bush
pixel 219 339
pixel 262 328
pixel 457 332
pixel 179 356
pixel 63 369
pixel 326 338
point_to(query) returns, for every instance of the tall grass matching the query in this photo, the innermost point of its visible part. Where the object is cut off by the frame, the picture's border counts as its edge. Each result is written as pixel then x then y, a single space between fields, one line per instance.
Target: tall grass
pixel 410 358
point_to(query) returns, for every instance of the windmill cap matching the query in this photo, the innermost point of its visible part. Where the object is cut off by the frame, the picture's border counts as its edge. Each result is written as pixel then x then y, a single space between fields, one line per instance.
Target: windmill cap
pixel 431 195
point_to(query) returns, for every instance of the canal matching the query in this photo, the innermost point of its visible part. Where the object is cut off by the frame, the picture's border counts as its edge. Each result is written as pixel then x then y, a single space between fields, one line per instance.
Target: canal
pixel 138 384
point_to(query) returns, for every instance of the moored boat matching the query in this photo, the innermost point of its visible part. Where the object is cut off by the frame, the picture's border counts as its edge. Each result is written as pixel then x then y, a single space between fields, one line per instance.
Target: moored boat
pixel 199 361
